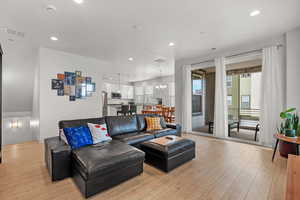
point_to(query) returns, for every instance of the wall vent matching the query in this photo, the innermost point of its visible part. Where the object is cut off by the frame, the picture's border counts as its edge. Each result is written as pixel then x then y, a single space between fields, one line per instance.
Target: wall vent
pixel 13 32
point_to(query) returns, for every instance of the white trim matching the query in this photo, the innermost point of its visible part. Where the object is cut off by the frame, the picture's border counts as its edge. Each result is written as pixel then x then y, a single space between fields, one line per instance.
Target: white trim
pixel 244 57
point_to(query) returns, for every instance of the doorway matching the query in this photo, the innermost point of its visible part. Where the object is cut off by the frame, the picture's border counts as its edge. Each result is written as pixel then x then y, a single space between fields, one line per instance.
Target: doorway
pixel 203 99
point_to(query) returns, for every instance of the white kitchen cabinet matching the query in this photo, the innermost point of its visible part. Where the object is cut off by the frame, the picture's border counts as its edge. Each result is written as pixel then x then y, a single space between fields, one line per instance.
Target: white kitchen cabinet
pixel 149 90
pixel 115 88
pixel 130 92
pixel 127 92
pixel 124 91
pixel 139 91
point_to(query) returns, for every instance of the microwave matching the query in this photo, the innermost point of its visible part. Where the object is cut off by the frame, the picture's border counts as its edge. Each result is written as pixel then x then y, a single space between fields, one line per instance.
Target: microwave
pixel 116 95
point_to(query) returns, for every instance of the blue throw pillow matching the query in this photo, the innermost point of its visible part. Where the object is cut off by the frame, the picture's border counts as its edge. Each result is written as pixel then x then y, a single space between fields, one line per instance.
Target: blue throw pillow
pixel 78 136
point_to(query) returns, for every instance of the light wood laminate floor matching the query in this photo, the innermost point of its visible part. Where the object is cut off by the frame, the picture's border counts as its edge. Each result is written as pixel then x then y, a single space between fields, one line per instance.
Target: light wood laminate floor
pixel 222 170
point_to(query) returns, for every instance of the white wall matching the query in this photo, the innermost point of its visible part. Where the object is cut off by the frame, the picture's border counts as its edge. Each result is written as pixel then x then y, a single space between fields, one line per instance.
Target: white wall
pixel 36 100
pixel 53 108
pixel 18 75
pixel 293 68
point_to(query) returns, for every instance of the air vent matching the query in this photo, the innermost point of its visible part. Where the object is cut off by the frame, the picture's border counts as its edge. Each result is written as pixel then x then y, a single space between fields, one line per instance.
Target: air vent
pixel 14 32
pixel 160 60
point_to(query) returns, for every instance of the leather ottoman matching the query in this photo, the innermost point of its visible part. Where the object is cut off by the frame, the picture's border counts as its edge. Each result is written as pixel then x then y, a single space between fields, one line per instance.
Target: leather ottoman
pixel 167 154
pixel 99 167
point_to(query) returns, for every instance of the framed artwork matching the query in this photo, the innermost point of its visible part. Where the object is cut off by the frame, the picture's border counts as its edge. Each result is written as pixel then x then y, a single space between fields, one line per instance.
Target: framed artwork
pixel 88 80
pixel 74 85
pixel 70 78
pixel 72 90
pixel 78 90
pixel 94 87
pixel 72 98
pixel 60 77
pixel 57 84
pixel 78 73
pixel 67 90
pixel 60 92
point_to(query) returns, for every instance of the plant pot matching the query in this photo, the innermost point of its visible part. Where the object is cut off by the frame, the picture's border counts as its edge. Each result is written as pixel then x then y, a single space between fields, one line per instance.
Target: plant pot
pixel 290 133
pixel 286 148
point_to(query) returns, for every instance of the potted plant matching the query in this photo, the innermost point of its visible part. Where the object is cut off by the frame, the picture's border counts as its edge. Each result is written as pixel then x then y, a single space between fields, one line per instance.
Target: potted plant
pixel 289 127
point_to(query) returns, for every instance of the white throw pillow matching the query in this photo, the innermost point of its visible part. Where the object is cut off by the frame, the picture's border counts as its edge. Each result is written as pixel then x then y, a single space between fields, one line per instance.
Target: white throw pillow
pixel 99 133
pixel 62 136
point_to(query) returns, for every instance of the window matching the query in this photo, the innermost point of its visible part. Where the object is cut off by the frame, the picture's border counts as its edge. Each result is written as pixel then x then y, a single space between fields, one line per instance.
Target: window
pixel 229 100
pixel 197 87
pixel 245 101
pixel 229 81
pixel 245 75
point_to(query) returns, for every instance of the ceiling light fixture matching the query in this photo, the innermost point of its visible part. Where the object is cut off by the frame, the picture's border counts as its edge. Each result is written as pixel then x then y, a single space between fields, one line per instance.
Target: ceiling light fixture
pixel 254 13
pixel 54 38
pixel 162 85
pixel 50 8
pixel 78 1
pixel 171 44
pixel 130 59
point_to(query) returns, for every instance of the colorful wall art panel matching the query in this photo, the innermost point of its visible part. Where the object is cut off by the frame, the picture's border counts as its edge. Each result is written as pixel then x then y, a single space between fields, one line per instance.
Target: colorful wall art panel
pixel 74 85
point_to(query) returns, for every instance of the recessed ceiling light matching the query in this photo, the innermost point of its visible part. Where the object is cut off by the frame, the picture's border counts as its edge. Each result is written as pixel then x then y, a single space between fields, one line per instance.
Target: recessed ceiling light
pixel 254 13
pixel 78 1
pixel 171 44
pixel 130 59
pixel 50 8
pixel 54 38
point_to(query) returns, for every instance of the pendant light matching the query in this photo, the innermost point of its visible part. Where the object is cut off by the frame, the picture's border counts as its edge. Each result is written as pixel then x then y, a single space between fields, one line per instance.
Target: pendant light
pixel 119 74
pixel 161 85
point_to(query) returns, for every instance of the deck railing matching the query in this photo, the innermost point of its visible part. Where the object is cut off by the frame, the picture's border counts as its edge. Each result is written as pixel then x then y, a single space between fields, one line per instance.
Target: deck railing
pixel 244 113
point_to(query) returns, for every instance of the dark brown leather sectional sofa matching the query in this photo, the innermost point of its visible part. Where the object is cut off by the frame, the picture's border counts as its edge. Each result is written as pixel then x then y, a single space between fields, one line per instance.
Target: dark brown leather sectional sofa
pixel 98 167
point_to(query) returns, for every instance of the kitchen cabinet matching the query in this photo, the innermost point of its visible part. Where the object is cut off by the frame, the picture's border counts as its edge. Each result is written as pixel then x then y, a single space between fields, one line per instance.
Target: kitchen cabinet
pixel 172 89
pixel 124 91
pixel 139 91
pixel 149 90
pixel 130 92
pixel 127 91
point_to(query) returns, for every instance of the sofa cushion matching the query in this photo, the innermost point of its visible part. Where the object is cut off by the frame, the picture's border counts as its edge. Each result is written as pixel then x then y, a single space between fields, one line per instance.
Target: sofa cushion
pixel 153 123
pixel 102 158
pixel 80 122
pixel 163 132
pixel 99 133
pixel 78 136
pixel 142 123
pixel 118 125
pixel 134 138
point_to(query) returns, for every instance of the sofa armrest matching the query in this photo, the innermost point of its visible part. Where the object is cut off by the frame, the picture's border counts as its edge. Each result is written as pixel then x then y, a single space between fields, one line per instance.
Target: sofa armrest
pixel 175 126
pixel 57 158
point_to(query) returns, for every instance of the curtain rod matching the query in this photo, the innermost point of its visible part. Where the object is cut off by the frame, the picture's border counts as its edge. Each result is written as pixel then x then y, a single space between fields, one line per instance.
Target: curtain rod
pixel 238 54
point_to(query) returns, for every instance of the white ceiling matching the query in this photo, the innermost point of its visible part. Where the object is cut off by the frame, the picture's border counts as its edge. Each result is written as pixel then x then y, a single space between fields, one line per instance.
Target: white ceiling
pixel 104 29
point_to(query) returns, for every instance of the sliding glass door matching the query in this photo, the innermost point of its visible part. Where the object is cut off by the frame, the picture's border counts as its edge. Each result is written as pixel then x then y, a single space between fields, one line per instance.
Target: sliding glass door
pixel 243 99
pixel 203 97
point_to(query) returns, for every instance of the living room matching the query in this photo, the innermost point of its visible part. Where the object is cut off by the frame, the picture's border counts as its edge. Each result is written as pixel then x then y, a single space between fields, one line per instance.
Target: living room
pixel 149 100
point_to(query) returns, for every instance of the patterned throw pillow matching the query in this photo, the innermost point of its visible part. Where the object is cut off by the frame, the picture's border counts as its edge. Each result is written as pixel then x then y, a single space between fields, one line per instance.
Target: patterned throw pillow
pixel 153 123
pixel 78 136
pixel 99 133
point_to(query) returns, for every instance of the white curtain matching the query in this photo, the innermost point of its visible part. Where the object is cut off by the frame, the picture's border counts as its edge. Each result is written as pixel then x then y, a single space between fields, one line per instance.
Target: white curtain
pixel 220 115
pixel 272 95
pixel 187 99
